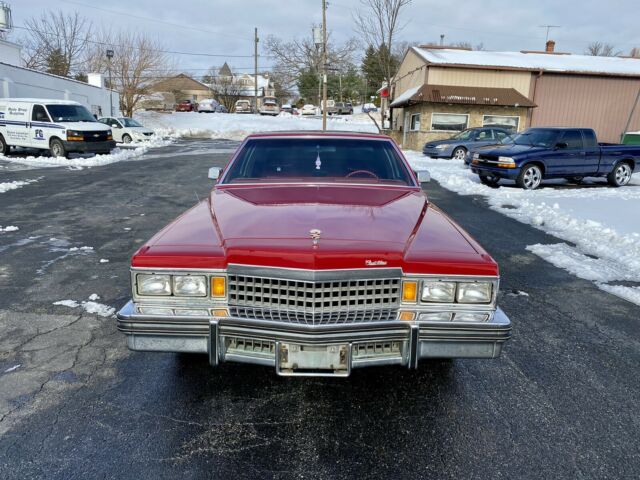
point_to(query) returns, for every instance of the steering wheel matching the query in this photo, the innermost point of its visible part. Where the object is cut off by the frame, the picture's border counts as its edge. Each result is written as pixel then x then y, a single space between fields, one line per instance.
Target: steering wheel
pixel 366 172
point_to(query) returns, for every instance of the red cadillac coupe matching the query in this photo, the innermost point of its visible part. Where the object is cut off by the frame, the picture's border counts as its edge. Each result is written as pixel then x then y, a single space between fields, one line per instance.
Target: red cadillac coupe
pixel 315 253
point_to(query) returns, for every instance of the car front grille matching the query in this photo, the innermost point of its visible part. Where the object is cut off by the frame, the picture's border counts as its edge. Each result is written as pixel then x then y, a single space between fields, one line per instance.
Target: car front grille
pixel 491 158
pixel 95 136
pixel 314 302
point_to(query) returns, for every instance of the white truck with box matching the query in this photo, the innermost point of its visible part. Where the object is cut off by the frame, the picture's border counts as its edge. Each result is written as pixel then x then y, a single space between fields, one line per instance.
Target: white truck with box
pixel 59 126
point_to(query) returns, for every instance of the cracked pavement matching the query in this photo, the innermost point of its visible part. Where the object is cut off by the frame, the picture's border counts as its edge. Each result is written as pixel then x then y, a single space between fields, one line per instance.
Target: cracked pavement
pixel 562 401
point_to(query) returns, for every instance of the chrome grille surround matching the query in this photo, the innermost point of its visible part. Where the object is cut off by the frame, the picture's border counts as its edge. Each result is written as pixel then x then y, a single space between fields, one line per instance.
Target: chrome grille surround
pixel 314 302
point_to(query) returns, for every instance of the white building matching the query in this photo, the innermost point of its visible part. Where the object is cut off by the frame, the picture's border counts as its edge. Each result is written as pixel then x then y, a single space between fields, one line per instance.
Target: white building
pixel 20 82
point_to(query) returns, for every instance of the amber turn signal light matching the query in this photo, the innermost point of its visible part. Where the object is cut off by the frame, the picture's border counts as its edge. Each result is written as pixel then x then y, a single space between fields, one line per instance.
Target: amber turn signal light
pixel 218 287
pixel 406 316
pixel 409 291
pixel 220 312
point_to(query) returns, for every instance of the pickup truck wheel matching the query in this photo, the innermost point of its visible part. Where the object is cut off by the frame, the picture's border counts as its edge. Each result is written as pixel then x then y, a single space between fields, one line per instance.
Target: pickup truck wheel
pixel 56 148
pixel 489 180
pixel 459 153
pixel 4 148
pixel 530 177
pixel 620 175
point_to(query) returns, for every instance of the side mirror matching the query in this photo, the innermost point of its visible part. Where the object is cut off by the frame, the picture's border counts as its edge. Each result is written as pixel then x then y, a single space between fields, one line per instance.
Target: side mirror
pixel 214 173
pixel 115 125
pixel 423 176
pixel 561 145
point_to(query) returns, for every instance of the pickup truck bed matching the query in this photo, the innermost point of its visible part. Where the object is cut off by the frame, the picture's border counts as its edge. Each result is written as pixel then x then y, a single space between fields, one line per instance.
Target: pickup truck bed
pixel 542 153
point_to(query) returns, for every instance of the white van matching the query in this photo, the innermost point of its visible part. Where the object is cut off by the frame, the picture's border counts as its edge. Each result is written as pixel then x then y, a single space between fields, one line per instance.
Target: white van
pixel 60 126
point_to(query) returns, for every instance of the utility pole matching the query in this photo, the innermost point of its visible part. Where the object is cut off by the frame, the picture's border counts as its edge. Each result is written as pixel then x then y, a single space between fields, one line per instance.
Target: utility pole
pixel 324 65
pixel 255 69
pixel 109 54
pixel 340 77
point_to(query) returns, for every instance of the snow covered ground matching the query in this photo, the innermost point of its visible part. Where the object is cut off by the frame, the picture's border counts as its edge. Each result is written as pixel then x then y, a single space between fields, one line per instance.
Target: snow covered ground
pixel 600 225
pixel 237 126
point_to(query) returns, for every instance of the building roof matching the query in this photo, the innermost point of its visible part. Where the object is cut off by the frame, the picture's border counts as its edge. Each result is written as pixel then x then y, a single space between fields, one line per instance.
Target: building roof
pixel 177 83
pixel 462 95
pixel 577 64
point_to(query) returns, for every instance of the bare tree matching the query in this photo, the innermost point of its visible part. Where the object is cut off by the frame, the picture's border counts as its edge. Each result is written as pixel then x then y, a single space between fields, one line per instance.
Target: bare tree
pixel 137 61
pixel 599 49
pixel 377 23
pixel 227 88
pixel 56 42
pixel 294 57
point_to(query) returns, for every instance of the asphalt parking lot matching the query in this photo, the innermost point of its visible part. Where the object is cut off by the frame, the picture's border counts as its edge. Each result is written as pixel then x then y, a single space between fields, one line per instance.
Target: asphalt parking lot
pixel 562 401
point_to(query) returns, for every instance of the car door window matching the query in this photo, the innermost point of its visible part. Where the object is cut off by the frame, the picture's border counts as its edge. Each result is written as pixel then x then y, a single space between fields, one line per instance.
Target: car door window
pixel 484 135
pixel 573 139
pixel 590 139
pixel 499 135
pixel 39 114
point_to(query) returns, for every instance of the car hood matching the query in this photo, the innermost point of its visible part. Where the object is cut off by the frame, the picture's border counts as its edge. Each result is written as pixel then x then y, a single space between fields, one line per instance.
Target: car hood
pixel 86 126
pixel 140 129
pixel 360 227
pixel 442 142
pixel 510 150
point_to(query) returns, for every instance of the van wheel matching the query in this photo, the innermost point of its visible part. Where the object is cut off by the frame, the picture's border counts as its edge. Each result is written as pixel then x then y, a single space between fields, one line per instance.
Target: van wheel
pixel 56 148
pixel 620 175
pixel 4 148
pixel 126 138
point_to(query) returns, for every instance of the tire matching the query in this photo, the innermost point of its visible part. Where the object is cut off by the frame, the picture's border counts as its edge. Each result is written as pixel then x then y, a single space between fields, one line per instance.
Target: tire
pixel 459 153
pixel 489 180
pixel 56 149
pixel 4 148
pixel 575 179
pixel 620 175
pixel 126 138
pixel 530 177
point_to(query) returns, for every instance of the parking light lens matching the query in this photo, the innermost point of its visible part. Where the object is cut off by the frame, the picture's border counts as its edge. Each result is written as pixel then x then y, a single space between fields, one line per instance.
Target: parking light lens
pixel 218 287
pixel 439 292
pixel 409 291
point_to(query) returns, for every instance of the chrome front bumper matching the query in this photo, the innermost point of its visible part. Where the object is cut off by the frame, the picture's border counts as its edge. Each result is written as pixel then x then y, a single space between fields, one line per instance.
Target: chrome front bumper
pixel 230 339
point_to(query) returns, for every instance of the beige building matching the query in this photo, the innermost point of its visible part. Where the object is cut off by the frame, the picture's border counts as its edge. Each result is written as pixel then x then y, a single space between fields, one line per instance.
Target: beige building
pixel 439 91
pixel 181 87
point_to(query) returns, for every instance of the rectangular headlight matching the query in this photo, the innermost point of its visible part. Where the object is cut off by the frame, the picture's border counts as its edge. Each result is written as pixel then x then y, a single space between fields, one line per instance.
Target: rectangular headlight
pixel 441 292
pixel 190 285
pixel 476 292
pixel 153 284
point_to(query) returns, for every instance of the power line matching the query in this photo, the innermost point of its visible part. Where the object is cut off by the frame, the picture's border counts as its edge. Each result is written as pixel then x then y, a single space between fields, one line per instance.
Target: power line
pixel 173 52
pixel 149 19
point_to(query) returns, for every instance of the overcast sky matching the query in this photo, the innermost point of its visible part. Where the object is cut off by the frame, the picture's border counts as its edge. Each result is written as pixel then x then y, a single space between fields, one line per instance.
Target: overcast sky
pixel 225 28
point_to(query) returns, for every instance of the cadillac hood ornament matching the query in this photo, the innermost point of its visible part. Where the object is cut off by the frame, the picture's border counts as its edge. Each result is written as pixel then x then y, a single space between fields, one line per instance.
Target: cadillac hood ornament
pixel 315 236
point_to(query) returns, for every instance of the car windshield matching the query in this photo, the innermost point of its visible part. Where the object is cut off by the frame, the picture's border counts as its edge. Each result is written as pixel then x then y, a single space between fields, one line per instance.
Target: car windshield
pixel 129 122
pixel 536 137
pixel 70 113
pixel 464 135
pixel 334 160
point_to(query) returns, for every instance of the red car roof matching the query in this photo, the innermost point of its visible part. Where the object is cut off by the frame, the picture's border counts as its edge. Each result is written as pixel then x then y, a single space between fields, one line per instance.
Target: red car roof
pixel 319 133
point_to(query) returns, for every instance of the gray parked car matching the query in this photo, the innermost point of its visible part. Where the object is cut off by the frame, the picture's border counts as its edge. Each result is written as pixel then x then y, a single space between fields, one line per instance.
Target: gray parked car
pixel 458 145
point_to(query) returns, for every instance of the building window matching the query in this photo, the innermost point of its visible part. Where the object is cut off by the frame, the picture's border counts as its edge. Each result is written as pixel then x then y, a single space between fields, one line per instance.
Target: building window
pixel 449 122
pixel 415 122
pixel 501 121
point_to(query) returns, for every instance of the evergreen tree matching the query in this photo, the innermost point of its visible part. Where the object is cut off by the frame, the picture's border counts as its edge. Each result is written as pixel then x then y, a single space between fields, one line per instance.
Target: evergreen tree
pixel 57 63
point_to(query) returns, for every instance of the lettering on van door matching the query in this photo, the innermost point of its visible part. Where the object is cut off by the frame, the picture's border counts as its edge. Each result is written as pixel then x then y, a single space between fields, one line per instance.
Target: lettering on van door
pixel 39 134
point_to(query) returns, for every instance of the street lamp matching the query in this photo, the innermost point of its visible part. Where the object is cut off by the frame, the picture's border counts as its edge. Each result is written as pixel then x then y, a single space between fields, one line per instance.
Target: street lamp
pixel 109 57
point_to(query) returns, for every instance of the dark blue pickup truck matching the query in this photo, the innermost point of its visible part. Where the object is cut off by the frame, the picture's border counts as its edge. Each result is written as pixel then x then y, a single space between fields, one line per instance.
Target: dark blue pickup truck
pixel 540 153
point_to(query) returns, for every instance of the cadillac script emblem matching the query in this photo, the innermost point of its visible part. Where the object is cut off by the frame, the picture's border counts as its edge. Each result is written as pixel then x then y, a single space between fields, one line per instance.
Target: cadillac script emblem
pixel 315 236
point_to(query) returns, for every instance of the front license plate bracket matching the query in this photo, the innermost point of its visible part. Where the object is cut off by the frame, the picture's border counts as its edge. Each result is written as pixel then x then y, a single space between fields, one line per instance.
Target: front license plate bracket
pixel 293 359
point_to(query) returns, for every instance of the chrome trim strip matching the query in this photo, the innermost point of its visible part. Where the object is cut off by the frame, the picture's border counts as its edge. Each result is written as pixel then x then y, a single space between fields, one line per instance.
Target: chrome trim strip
pixel 283 273
pixel 213 343
pixel 413 347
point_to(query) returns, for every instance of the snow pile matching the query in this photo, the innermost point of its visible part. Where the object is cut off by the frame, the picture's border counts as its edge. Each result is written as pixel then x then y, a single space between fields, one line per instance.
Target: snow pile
pixel 90 306
pixel 232 126
pixel 599 222
pixel 9 228
pixel 77 162
pixel 6 186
